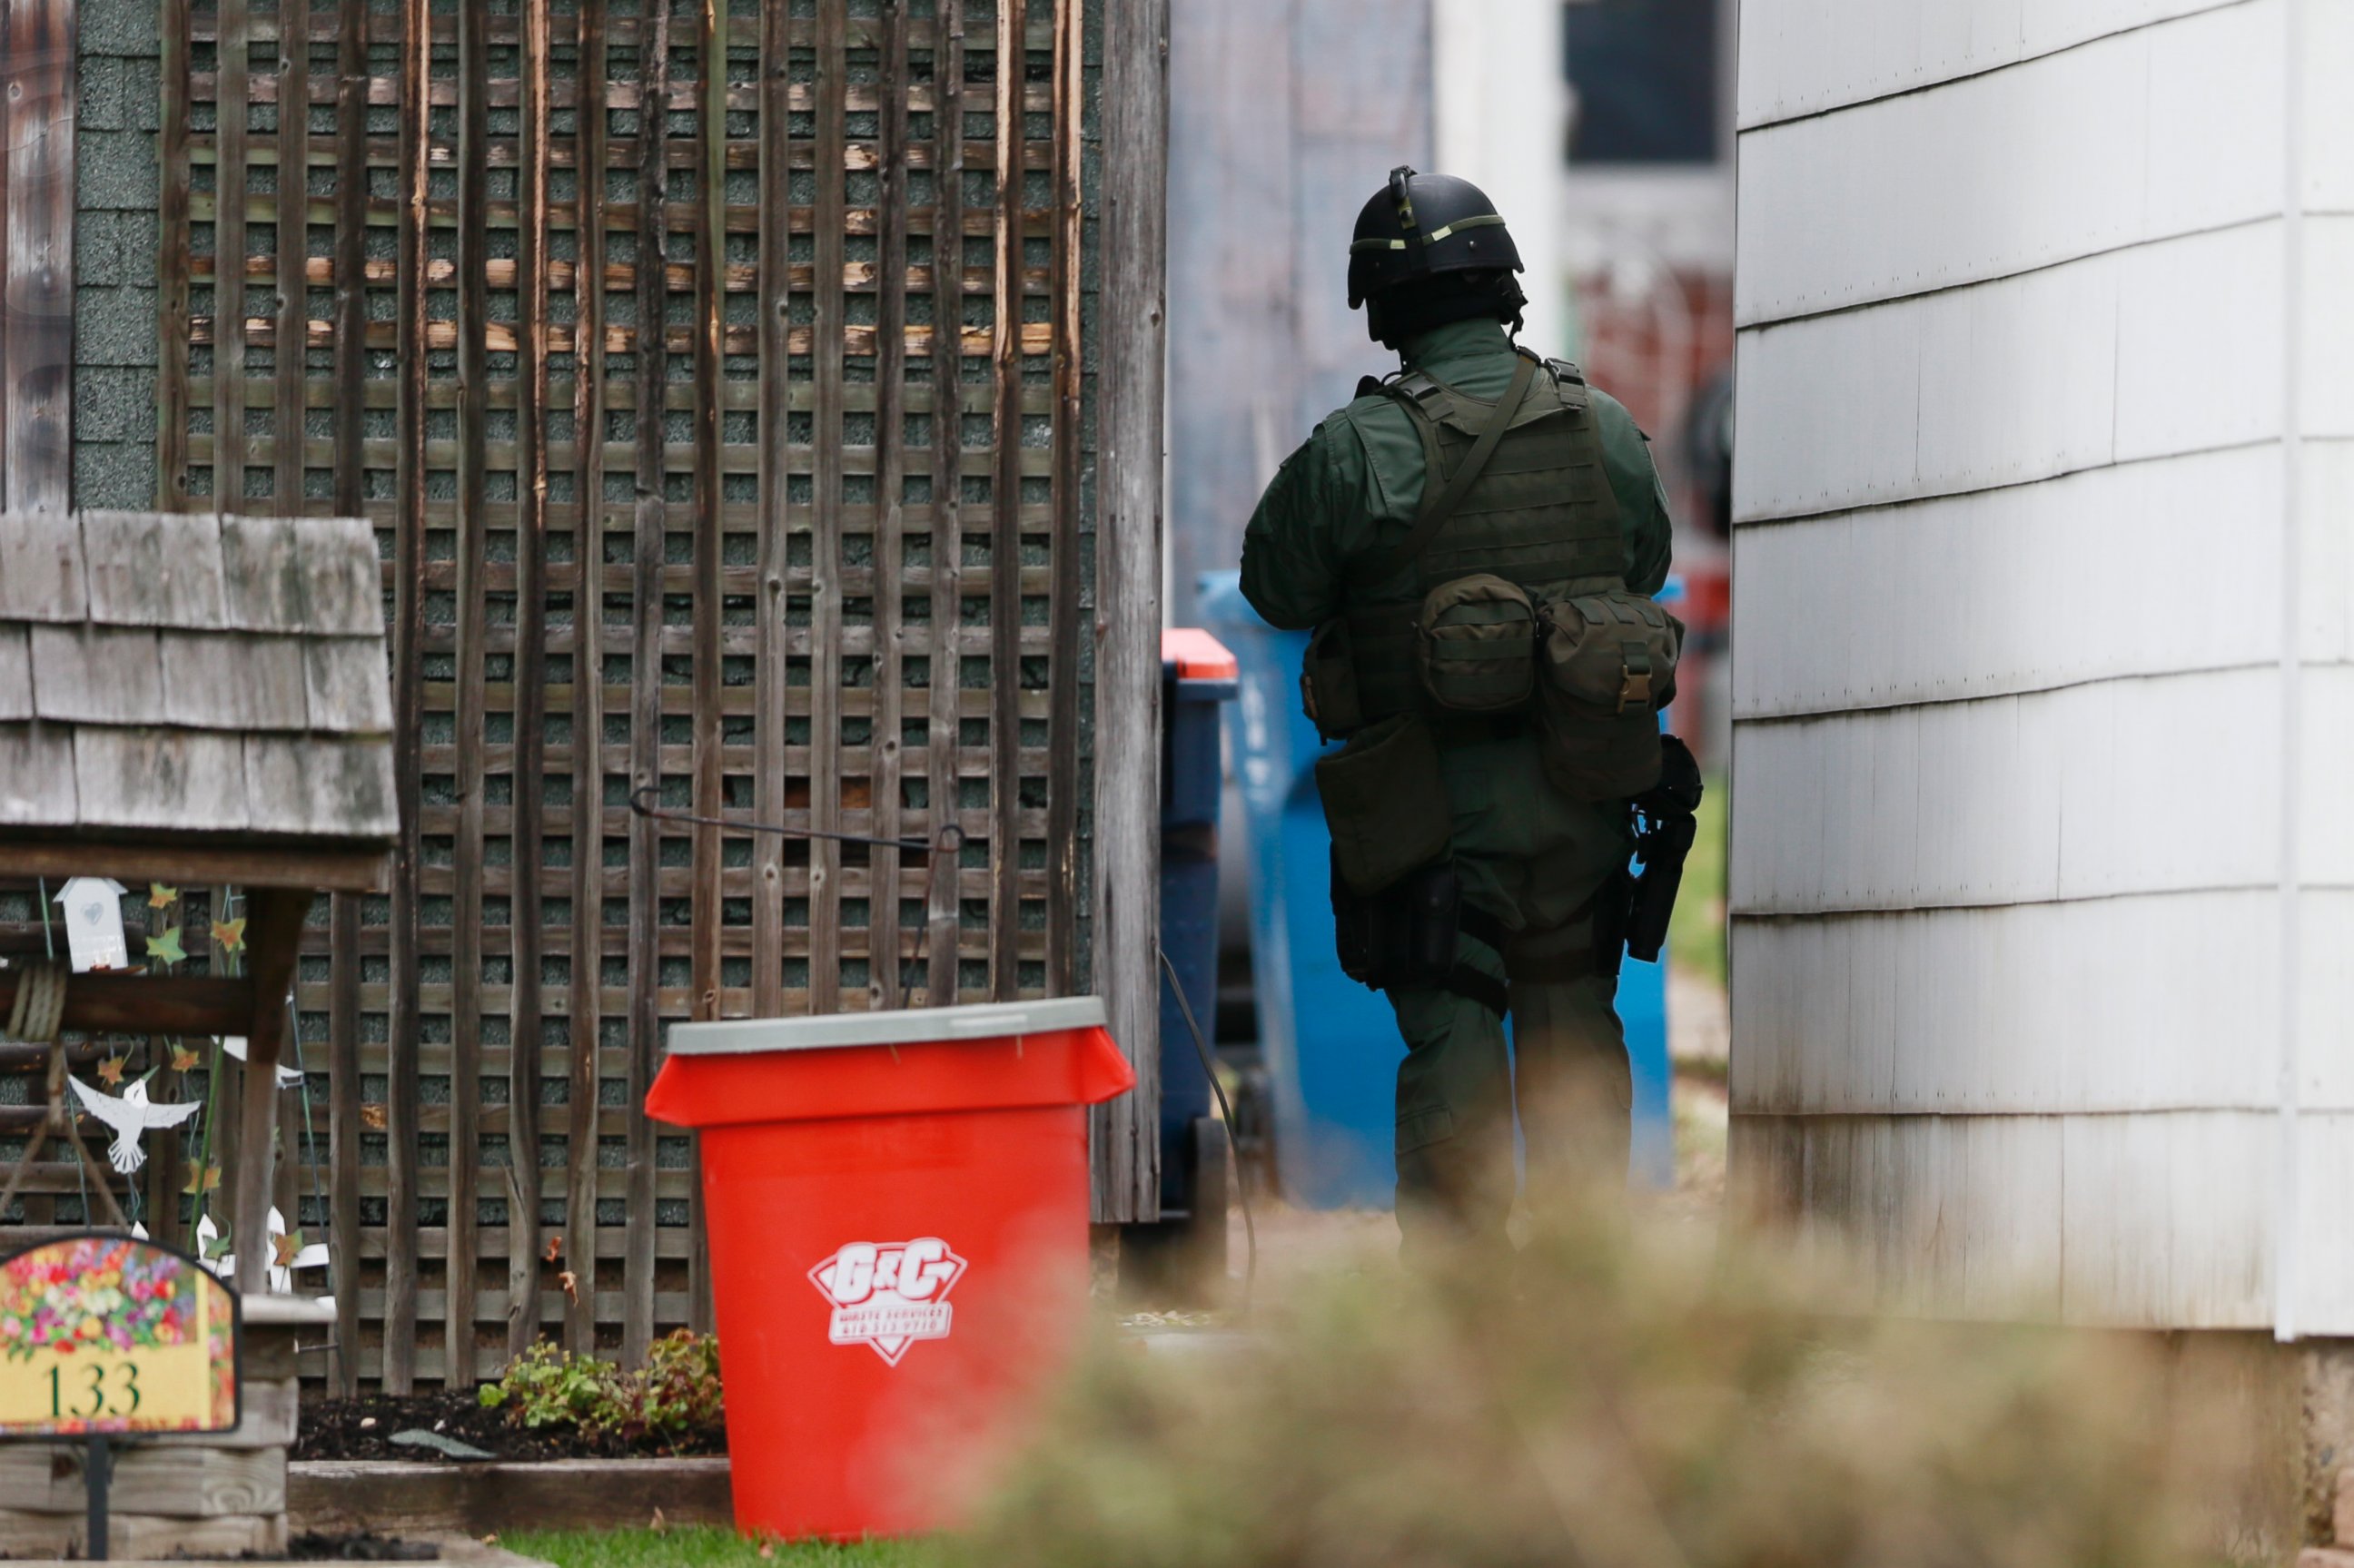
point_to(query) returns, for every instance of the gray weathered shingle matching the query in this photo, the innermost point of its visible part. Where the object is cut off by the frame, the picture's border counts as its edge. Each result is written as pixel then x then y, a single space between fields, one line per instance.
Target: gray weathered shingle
pixel 37 775
pixel 97 674
pixel 154 568
pixel 16 675
pixel 185 673
pixel 230 681
pixel 42 568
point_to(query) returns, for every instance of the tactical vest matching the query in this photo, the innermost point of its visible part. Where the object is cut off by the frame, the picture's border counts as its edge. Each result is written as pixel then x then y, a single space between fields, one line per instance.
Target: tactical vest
pixel 1540 513
pixel 1505 607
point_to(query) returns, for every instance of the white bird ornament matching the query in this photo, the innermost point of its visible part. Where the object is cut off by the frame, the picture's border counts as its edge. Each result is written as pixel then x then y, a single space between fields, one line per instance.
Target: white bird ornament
pixel 131 1118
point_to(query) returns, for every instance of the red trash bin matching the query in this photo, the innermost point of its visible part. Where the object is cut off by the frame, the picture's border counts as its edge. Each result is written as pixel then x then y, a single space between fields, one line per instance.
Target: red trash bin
pixel 896 1206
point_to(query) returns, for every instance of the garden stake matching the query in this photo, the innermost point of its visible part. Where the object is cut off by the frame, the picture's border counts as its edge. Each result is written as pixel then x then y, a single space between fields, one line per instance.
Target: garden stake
pixel 98 1470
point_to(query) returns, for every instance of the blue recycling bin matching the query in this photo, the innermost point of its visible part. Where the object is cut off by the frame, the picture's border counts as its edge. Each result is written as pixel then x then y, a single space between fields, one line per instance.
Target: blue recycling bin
pixel 1330 1046
pixel 1197 681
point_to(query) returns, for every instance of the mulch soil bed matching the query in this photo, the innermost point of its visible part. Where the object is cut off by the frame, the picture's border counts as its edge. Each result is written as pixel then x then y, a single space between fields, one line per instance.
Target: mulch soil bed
pixel 357 1546
pixel 362 1429
pixel 328 1546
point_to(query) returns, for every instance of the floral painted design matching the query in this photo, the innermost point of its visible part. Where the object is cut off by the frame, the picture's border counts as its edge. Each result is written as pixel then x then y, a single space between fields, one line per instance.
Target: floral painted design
pixel 93 1292
pixel 104 1333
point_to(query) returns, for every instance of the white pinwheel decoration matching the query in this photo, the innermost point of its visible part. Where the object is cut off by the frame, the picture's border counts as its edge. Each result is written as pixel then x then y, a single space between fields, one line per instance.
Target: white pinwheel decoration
pixel 281 1278
pixel 131 1118
pixel 287 1077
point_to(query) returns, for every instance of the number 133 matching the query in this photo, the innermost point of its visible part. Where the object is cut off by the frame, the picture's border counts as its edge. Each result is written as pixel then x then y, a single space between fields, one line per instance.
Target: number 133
pixel 94 1398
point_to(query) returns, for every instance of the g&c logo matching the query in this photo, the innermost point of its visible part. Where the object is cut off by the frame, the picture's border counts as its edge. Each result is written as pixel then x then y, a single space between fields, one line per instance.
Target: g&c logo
pixel 888 1295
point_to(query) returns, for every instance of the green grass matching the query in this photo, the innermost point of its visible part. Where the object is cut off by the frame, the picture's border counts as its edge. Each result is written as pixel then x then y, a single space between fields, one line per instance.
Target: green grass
pixel 705 1548
pixel 1696 935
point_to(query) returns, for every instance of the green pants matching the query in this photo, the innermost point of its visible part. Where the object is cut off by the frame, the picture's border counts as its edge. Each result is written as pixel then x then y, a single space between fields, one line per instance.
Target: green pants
pixel 1532 860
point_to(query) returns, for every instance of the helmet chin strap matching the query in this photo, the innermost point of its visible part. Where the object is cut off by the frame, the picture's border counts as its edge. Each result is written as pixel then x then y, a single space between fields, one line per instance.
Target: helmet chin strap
pixel 1514 299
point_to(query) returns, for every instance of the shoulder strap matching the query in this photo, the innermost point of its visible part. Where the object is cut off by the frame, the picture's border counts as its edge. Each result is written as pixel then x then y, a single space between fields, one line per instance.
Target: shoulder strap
pixel 1439 504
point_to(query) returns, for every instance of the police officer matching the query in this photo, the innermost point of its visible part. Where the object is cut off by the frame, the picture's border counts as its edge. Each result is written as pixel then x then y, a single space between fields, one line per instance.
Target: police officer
pixel 1541 478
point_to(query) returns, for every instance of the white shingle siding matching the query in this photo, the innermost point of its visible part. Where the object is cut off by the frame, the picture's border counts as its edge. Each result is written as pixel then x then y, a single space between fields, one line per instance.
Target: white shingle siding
pixel 2166 348
pixel 1806 57
pixel 2136 137
pixel 2045 484
pixel 1926 602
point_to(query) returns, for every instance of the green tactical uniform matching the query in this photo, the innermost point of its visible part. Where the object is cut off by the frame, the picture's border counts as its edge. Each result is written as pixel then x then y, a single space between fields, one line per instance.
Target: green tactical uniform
pixel 1527 855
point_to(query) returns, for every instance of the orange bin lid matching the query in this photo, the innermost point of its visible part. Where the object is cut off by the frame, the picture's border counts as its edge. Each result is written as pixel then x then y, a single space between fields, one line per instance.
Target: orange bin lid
pixel 921 1061
pixel 1197 655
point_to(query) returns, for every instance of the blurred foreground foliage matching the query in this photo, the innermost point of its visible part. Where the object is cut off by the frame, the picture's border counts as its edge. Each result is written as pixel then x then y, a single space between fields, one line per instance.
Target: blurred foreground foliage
pixel 1663 1402
pixel 708 1547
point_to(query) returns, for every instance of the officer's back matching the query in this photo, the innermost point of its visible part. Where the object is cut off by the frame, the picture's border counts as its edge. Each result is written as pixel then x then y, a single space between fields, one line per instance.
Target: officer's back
pixel 1475 543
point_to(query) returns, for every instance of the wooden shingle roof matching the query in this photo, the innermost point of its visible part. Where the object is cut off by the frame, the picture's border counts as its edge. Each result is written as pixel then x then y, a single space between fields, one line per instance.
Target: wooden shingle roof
pixel 182 675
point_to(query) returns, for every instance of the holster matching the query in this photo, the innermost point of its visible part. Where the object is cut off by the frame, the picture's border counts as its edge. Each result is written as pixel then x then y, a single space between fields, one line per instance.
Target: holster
pixel 1404 938
pixel 1662 849
pixel 1663 840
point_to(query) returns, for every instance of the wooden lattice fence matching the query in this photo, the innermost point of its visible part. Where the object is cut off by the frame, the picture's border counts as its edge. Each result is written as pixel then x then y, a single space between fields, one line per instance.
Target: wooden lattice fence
pixel 815 552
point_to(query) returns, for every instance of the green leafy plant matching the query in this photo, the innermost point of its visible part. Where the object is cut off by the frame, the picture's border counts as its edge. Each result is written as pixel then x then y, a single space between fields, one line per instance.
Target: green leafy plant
pixel 678 1396
pixel 672 1405
pixel 549 1386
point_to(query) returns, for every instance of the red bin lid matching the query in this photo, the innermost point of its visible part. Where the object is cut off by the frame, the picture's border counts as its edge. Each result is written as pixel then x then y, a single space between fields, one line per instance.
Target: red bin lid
pixel 996 1055
pixel 1197 655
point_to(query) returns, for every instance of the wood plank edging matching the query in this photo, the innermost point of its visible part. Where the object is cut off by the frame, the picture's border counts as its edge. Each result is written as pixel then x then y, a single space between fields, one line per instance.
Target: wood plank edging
pixel 397 1497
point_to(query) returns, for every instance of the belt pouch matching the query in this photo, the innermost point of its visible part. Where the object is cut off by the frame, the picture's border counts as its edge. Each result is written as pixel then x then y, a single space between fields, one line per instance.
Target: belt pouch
pixel 1608 664
pixel 1385 803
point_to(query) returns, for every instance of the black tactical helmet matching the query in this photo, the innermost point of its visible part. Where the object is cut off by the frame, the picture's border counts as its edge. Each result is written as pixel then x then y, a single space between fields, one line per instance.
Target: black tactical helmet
pixel 1424 225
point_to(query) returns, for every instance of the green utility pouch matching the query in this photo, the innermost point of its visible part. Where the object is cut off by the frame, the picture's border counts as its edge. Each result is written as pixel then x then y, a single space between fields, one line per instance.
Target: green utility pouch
pixel 1327 683
pixel 1477 638
pixel 1385 803
pixel 1607 667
